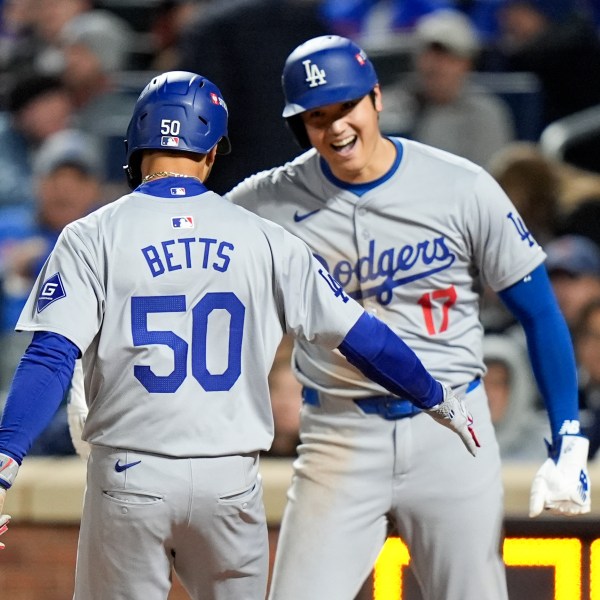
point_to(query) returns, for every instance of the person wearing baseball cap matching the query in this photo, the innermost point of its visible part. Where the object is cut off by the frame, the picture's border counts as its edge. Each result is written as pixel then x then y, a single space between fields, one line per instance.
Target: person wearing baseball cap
pixel 438 104
pixel 67 182
pixel 448 31
pixel 97 45
pixel 573 264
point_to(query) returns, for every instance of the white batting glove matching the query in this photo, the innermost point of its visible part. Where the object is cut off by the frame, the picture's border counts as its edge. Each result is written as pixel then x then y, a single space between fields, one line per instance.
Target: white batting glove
pixel 77 412
pixel 562 485
pixel 4 519
pixel 453 414
pixel 8 471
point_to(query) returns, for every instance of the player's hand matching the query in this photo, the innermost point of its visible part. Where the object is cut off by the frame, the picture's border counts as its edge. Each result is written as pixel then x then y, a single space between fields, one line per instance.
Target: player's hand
pixel 4 519
pixel 562 485
pixel 453 413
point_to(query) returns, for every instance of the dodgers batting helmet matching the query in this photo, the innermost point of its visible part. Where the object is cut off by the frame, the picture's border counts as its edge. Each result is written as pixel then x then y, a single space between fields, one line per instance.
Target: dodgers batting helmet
pixel 176 111
pixel 324 70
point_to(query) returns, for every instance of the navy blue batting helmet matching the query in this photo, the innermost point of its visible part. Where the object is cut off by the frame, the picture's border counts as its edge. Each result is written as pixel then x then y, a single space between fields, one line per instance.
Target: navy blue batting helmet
pixel 176 111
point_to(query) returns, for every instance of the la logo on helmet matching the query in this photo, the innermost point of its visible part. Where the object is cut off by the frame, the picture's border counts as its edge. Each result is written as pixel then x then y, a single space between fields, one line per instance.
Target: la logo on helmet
pixel 314 75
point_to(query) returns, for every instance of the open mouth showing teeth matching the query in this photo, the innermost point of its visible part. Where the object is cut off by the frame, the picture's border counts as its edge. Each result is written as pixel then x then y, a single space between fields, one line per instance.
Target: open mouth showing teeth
pixel 345 144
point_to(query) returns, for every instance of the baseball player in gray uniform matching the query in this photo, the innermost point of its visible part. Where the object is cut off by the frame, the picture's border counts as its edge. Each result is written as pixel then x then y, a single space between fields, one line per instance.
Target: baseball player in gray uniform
pixel 177 300
pixel 409 231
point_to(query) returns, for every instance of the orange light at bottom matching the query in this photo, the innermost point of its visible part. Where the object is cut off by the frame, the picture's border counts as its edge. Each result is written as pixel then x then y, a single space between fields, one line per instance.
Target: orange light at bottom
pixel 595 570
pixel 387 578
pixel 562 554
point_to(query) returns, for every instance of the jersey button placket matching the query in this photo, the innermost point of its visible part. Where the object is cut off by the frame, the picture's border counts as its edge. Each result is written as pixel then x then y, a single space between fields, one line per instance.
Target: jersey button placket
pixel 362 243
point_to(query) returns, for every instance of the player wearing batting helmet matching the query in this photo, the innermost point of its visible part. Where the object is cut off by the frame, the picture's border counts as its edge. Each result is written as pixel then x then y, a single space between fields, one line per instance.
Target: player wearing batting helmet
pixel 408 231
pixel 177 300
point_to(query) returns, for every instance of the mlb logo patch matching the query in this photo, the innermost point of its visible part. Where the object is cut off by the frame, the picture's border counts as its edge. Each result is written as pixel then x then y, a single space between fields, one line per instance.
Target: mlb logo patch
pixel 361 58
pixel 169 140
pixel 182 222
pixel 52 290
pixel 179 191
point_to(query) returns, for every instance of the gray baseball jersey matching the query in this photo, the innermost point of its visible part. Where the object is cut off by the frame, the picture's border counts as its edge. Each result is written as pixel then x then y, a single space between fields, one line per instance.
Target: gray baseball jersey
pixel 178 306
pixel 419 274
pixel 413 248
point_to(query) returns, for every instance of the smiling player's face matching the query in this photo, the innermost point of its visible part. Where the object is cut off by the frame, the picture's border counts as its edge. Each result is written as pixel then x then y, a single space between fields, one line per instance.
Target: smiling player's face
pixel 347 136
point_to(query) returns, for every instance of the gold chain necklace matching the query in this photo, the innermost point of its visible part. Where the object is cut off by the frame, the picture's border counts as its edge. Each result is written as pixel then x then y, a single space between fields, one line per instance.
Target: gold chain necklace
pixel 165 174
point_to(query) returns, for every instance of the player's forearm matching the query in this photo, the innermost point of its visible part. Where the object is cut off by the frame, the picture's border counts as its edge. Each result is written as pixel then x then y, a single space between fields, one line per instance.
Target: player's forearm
pixel 381 355
pixel 553 363
pixel 39 385
pixel 550 348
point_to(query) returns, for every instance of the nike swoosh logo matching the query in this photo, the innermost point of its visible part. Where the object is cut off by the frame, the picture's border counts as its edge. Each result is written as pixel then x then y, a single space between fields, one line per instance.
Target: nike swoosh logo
pixel 119 468
pixel 298 217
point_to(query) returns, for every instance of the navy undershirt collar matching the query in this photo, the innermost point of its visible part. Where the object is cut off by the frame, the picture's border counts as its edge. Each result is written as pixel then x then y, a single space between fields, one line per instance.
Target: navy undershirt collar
pixel 362 188
pixel 172 187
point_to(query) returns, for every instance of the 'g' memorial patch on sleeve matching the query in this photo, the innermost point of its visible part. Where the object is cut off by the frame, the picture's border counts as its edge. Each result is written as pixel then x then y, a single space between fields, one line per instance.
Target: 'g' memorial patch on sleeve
pixel 52 290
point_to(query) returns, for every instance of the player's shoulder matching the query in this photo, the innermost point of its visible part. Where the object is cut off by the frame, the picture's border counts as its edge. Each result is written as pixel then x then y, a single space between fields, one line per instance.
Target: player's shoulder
pixel 98 221
pixel 252 219
pixel 273 181
pixel 277 237
pixel 418 151
pixel 452 171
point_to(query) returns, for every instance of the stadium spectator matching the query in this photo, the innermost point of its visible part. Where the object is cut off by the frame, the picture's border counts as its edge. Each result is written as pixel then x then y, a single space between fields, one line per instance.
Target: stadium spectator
pixel 67 183
pixel 438 104
pixel 37 106
pixel 533 182
pixel 573 263
pixel 587 347
pixel 520 427
pixel 243 44
pixel 39 46
pixel 97 45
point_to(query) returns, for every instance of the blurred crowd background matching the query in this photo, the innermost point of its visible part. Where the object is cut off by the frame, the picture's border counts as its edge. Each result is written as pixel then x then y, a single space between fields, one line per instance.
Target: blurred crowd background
pixel 513 85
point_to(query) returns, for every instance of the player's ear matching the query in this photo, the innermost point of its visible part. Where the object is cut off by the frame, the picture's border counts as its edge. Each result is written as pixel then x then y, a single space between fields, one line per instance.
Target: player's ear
pixel 376 98
pixel 211 157
pixel 208 162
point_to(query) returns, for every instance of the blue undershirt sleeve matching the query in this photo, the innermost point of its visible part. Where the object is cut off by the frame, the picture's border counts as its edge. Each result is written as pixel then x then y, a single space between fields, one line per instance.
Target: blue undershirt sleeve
pixel 381 355
pixel 40 383
pixel 549 344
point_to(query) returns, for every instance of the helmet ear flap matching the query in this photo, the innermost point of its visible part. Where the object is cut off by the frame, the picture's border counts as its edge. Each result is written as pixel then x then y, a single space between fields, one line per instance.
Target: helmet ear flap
pixel 133 170
pixel 297 127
